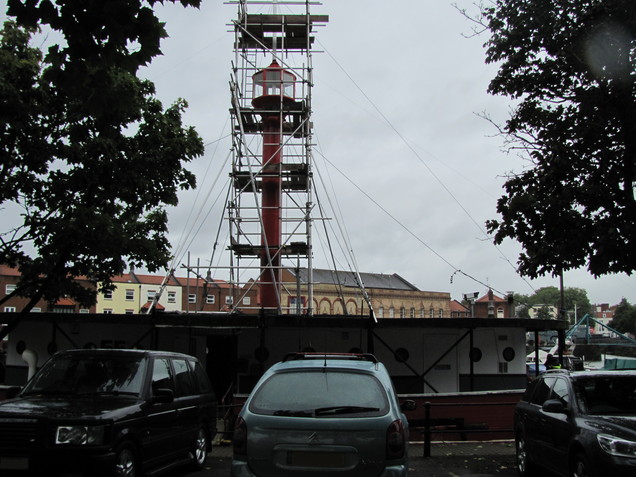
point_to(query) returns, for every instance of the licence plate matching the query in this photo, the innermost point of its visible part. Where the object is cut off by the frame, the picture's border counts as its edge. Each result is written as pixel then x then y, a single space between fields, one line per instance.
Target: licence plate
pixel 317 459
pixel 14 463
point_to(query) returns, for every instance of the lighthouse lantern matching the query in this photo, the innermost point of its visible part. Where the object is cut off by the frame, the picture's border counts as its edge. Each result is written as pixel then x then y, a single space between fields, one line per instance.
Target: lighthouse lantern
pixel 272 86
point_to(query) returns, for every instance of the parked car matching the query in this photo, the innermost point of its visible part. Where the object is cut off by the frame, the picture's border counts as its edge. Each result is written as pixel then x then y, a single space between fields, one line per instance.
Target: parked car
pixel 115 412
pixel 322 414
pixel 578 424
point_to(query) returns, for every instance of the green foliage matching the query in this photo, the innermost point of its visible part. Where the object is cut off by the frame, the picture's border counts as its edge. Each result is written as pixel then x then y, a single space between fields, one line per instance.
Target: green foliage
pixel 570 68
pixel 624 318
pixel 574 299
pixel 88 153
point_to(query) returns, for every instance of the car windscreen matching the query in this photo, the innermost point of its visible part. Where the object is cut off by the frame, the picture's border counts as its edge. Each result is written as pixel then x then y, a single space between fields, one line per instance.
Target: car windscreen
pixel 86 375
pixel 318 393
pixel 614 394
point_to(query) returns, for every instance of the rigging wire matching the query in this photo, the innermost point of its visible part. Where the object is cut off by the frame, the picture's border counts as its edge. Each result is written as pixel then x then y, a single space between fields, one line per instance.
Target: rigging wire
pixel 430 170
pixel 401 224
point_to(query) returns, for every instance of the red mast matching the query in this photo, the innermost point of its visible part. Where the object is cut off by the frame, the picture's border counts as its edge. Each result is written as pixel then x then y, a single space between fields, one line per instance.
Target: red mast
pixel 273 92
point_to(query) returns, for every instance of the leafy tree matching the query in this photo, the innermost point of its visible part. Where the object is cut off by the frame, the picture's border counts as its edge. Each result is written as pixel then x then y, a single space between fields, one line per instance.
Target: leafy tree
pixel 574 299
pixel 87 152
pixel 569 66
pixel 624 318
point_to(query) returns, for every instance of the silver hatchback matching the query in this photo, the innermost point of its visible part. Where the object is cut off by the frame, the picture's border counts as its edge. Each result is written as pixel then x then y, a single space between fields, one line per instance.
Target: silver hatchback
pixel 322 414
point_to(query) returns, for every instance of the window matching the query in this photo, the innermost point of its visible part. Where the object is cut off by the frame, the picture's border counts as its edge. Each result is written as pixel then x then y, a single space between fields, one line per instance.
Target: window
pixel 391 312
pixel 82 310
pixel 210 299
pixel 129 312
pixel 402 312
pixel 151 295
pixel 161 375
pixel 10 309
pixel 37 309
pixel 560 391
pixel 192 298
pixel 172 297
pixel 10 288
pixel 108 294
pixel 108 311
pixel 500 312
pixel 441 312
pixel 248 301
pixel 412 313
pixel 422 313
pixel 381 312
pixel 201 378
pixel 130 294
pixel 293 390
pixel 185 385
pixel 542 391
pixel 229 300
pixel 431 313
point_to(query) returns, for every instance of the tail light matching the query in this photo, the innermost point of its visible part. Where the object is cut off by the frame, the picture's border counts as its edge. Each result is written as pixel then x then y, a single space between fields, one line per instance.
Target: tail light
pixel 239 439
pixel 395 440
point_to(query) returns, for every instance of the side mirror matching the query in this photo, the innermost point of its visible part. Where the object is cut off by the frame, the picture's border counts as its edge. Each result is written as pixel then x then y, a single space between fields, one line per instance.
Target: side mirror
pixel 408 405
pixel 554 405
pixel 162 396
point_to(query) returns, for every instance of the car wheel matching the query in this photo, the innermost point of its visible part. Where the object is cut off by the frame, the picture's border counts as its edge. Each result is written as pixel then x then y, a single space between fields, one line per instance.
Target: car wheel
pixel 199 448
pixel 524 466
pixel 580 466
pixel 126 461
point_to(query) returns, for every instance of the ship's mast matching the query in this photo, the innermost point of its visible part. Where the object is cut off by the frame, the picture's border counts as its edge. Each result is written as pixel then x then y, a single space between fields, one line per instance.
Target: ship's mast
pixel 270 208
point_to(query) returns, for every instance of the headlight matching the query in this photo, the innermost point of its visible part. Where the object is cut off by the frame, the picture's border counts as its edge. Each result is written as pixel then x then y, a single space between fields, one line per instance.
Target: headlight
pixel 615 446
pixel 80 435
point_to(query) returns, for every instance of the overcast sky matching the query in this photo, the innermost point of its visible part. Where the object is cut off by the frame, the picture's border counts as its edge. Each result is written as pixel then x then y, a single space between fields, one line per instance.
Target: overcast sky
pixel 400 88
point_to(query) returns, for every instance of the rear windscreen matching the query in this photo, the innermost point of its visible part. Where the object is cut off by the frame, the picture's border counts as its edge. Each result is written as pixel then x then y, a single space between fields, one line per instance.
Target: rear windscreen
pixel 320 394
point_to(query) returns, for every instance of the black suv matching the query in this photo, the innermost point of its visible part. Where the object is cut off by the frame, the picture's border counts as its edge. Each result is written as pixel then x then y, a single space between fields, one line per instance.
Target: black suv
pixel 578 423
pixel 115 412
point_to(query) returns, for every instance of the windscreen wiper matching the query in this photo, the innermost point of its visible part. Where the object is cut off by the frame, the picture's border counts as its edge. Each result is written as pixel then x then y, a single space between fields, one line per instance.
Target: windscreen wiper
pixel 293 413
pixel 344 410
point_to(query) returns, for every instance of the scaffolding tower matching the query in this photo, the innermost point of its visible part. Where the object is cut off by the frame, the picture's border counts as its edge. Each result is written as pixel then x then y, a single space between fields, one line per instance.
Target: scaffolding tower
pixel 270 205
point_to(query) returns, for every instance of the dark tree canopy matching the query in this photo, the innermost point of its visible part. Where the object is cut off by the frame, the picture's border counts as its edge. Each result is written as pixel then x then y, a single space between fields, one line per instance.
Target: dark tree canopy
pixel 570 67
pixel 624 317
pixel 87 152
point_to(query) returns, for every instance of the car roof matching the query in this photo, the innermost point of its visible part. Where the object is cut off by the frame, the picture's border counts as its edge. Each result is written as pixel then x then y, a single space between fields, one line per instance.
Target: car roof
pixel 340 361
pixel 591 373
pixel 122 352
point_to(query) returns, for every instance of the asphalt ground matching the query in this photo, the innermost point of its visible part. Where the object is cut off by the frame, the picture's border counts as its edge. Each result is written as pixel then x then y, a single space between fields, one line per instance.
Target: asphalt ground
pixel 448 459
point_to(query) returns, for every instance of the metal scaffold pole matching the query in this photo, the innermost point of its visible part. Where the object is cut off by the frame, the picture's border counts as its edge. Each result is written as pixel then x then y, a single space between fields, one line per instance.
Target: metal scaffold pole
pixel 271 201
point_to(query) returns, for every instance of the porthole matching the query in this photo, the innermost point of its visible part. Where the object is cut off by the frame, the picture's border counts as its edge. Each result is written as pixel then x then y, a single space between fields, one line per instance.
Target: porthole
pixel 508 354
pixel 475 355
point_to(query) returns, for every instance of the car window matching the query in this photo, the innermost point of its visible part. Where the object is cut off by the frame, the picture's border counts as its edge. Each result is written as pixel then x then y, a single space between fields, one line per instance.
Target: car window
pixel 607 395
pixel 94 374
pixel 183 377
pixel 324 393
pixel 542 390
pixel 530 389
pixel 201 378
pixel 161 375
pixel 560 391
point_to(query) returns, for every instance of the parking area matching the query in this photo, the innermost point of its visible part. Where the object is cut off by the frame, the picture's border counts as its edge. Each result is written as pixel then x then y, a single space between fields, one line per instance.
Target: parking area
pixel 453 459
